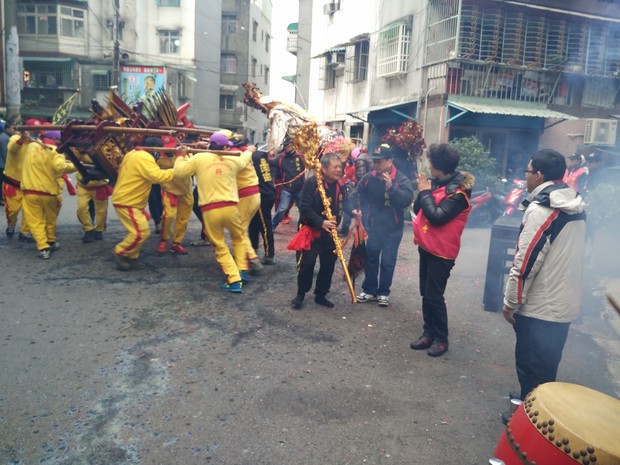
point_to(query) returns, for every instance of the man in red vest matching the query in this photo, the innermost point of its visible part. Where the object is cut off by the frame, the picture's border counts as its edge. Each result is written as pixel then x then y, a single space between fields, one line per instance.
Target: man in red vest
pixel 442 208
pixel 576 174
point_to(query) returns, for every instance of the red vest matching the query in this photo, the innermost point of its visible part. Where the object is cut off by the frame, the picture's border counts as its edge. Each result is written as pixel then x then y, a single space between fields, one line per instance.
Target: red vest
pixel 441 241
pixel 572 178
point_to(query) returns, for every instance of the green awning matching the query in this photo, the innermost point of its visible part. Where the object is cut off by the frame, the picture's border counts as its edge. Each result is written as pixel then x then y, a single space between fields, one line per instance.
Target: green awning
pixel 48 59
pixel 504 107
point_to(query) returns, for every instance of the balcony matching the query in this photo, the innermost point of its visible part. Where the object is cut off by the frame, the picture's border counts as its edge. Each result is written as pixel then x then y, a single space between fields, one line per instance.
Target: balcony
pixel 291 39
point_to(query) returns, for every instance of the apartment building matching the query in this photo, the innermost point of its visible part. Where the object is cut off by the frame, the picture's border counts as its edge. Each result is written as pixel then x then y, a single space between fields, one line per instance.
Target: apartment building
pixel 177 44
pixel 516 74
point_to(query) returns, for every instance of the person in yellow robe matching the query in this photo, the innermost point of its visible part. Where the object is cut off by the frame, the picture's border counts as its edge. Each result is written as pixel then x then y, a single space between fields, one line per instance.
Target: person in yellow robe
pixel 218 198
pixel 43 165
pixel 137 172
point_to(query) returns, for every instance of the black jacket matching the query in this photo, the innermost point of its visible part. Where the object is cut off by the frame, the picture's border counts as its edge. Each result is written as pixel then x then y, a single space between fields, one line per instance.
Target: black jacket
pixel 311 207
pixel 383 210
pixel 290 165
pixel 452 205
pixel 265 181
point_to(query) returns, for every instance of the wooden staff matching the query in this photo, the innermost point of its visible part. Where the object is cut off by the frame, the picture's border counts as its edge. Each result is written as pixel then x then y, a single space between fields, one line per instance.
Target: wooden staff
pixel 88 127
pixel 189 150
pixel 613 302
pixel 307 140
pixel 202 132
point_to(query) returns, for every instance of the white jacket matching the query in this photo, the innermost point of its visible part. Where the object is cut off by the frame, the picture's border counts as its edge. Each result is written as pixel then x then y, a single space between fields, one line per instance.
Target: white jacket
pixel 545 278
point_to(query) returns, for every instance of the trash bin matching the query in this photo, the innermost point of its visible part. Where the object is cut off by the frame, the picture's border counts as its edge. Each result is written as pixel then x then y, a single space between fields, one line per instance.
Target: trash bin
pixel 504 234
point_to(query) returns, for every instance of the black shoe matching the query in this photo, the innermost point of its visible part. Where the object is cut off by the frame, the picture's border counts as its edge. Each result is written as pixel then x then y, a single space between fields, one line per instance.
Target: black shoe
pixel 437 349
pixel 98 236
pixel 25 238
pixel 89 236
pixel 321 300
pixel 421 343
pixel 123 263
pixel 297 302
pixel 10 231
pixel 514 395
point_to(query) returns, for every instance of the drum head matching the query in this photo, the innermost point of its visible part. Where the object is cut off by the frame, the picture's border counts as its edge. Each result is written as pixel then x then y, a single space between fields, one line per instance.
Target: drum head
pixel 583 420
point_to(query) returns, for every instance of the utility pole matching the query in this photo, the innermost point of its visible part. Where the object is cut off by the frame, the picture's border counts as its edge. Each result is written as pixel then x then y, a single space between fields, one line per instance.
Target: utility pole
pixel 117 47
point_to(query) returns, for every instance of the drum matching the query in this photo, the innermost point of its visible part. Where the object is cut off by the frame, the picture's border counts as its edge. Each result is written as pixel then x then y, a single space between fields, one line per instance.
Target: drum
pixel 562 424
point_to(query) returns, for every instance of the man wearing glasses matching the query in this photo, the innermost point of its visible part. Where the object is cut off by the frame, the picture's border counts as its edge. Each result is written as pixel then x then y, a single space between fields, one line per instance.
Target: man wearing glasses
pixel 543 291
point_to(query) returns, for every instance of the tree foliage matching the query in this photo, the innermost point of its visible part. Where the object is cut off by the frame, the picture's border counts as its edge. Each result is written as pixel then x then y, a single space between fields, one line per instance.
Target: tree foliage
pixel 476 159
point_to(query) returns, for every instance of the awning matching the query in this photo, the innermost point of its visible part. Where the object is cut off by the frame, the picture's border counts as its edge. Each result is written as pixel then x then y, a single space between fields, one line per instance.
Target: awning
pixel 48 59
pixel 401 111
pixel 503 107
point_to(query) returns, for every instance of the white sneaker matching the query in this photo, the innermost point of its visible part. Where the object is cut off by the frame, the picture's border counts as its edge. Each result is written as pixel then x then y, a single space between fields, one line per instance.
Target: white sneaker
pixel 44 254
pixel 54 246
pixel 383 300
pixel 364 297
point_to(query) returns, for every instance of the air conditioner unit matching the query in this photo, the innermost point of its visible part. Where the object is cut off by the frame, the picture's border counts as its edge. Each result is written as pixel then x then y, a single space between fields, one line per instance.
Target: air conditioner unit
pixel 600 131
pixel 329 8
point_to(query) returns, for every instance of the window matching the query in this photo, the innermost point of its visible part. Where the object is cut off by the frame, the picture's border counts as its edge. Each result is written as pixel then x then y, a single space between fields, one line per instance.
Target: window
pixel 168 2
pixel 393 50
pixel 37 20
pixel 332 66
pixel 185 87
pixel 357 61
pixel 227 102
pixel 229 24
pixel 253 70
pixel 101 80
pixel 228 63
pixel 72 22
pixel 267 42
pixel 169 41
pixel 267 74
pixel 50 75
pixel 254 30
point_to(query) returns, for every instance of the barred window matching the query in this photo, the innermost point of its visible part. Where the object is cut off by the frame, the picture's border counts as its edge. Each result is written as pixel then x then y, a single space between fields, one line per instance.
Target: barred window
pixel 101 80
pixel 393 51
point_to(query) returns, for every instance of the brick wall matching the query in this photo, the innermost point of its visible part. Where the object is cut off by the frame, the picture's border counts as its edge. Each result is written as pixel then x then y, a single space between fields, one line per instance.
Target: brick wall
pixel 563 137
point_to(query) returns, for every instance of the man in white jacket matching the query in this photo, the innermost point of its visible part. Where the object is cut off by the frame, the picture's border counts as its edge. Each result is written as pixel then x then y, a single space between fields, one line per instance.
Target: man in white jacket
pixel 543 292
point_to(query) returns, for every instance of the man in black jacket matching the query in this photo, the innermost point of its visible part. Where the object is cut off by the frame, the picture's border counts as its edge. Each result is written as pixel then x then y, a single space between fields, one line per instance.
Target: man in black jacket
pixel 318 227
pixel 291 167
pixel 261 222
pixel 383 194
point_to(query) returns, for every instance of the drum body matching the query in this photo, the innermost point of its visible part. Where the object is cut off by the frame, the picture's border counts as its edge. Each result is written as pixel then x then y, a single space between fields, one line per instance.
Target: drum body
pixel 562 424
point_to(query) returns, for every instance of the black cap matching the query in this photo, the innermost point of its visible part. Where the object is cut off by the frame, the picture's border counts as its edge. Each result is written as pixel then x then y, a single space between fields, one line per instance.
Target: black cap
pixel 575 156
pixel 383 152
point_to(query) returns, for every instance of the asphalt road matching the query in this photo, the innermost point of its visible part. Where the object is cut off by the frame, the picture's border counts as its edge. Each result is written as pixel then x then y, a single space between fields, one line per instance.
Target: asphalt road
pixel 159 366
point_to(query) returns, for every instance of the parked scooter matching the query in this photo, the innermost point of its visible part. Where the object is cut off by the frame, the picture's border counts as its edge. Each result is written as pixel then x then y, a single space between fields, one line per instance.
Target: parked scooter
pixel 516 194
pixel 486 207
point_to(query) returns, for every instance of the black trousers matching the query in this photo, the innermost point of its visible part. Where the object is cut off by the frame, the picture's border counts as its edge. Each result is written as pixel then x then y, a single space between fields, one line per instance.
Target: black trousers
pixel 538 350
pixel 261 225
pixel 156 207
pixel 434 274
pixel 324 251
pixel 198 213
